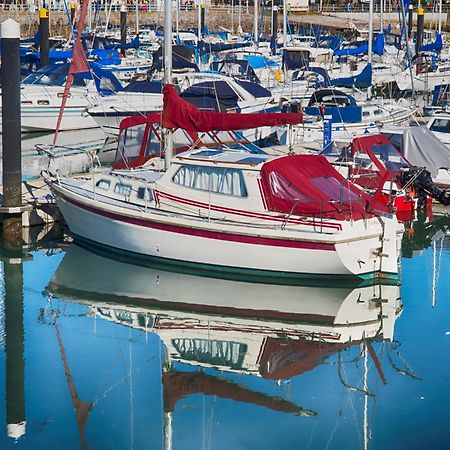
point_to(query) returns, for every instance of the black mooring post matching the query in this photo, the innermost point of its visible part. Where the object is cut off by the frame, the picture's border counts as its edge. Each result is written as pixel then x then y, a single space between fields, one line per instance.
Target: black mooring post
pixel 202 19
pixel 420 24
pixel 14 349
pixel 274 29
pixel 123 27
pixel 11 128
pixel 410 21
pixel 43 33
pixel 73 9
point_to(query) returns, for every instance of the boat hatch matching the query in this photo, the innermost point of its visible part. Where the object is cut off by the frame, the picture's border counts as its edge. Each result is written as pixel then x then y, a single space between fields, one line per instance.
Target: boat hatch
pixel 207 153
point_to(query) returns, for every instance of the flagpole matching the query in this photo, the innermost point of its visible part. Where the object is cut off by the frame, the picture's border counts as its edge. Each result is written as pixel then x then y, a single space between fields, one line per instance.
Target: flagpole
pixel 78 64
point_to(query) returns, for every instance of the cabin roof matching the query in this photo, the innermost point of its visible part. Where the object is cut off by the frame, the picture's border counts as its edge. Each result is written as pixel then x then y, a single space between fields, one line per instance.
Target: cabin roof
pixel 224 155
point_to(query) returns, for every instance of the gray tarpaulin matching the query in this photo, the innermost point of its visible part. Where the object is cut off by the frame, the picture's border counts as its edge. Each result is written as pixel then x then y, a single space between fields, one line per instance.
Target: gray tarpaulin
pixel 422 148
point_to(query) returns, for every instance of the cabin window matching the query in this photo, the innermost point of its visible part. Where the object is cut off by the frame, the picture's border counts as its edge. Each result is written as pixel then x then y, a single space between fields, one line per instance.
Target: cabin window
pixel 283 188
pixel 335 190
pixel 130 143
pixel 103 184
pixel 220 180
pixel 441 126
pixel 123 189
pixel 366 113
pixel 145 194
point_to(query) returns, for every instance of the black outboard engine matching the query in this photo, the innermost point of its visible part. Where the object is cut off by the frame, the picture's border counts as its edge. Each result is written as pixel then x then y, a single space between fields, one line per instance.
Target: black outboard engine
pixel 420 179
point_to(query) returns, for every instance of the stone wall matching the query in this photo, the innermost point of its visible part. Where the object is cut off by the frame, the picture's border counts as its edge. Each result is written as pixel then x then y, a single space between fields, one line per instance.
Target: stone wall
pixel 216 20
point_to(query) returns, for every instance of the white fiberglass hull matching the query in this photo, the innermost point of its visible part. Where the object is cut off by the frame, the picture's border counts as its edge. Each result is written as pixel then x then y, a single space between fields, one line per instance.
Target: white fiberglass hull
pixel 40 107
pixel 230 250
pixel 45 119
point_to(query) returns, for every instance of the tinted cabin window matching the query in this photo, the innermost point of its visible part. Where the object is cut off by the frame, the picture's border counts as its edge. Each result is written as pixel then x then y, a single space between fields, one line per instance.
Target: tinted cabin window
pixel 219 180
pixel 441 125
pixel 103 184
pixel 123 189
pixel 145 194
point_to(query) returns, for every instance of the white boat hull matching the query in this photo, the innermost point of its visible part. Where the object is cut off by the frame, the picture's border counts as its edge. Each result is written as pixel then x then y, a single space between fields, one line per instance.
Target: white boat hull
pixel 230 251
pixel 45 119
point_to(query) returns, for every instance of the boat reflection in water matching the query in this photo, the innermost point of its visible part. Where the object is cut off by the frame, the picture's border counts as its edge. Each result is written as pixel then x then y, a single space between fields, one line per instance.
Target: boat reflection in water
pixel 223 327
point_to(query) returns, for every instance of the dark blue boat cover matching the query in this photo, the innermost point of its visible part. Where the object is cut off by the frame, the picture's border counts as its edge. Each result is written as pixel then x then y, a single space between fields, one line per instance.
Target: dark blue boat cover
pixel 362 81
pixel 435 46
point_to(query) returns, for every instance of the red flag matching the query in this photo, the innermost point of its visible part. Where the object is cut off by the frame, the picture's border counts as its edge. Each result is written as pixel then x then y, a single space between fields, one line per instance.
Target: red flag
pixel 78 64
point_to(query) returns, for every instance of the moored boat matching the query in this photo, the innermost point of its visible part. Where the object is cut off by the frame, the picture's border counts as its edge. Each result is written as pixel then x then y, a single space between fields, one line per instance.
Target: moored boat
pixel 230 212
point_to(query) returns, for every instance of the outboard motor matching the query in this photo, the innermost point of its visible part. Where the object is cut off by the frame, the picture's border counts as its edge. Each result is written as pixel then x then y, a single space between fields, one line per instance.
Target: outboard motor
pixel 420 179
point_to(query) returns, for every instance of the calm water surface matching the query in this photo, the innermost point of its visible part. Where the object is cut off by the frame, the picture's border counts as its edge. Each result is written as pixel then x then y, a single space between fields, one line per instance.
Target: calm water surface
pixel 98 353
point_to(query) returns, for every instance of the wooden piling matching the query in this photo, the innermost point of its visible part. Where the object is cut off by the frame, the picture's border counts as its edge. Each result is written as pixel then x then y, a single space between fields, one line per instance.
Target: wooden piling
pixel 44 37
pixel 123 26
pixel 11 128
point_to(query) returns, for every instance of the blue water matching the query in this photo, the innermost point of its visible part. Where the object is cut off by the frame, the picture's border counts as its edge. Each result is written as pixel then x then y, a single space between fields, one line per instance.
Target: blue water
pixel 152 369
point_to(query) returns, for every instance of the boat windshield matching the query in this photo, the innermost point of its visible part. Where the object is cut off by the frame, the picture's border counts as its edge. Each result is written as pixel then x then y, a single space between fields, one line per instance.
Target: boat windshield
pixel 389 157
pixel 441 125
pixel 56 77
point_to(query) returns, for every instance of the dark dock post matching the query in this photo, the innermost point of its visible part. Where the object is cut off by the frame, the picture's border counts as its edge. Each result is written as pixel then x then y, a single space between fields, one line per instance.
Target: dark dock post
pixel 410 21
pixel 72 14
pixel 14 338
pixel 11 128
pixel 420 23
pixel 202 19
pixel 43 33
pixel 273 40
pixel 123 27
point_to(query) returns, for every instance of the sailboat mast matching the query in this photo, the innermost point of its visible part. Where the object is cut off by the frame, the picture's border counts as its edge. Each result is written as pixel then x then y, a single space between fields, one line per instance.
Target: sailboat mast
pixel 177 23
pixel 199 21
pixel 284 24
pixel 381 16
pixel 366 400
pixel 137 17
pixel 168 141
pixel 370 43
pixel 255 24
pixel 440 17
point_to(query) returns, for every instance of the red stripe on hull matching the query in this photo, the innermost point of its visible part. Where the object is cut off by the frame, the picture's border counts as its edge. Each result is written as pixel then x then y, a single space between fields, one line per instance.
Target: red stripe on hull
pixel 207 234
pixel 334 226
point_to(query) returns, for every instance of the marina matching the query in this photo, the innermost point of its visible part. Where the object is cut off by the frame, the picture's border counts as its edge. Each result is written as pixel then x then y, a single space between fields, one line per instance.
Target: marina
pixel 224 225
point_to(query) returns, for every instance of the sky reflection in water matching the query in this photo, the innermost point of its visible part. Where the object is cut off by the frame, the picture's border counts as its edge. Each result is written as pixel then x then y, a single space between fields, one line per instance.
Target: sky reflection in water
pixel 110 355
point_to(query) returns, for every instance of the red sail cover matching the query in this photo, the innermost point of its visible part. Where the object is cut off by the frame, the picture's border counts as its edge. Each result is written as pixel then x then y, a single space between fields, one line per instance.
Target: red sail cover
pixel 178 113
pixel 308 185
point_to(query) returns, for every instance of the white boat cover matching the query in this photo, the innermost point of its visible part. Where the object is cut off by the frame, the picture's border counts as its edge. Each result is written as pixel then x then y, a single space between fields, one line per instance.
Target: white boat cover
pixel 422 148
